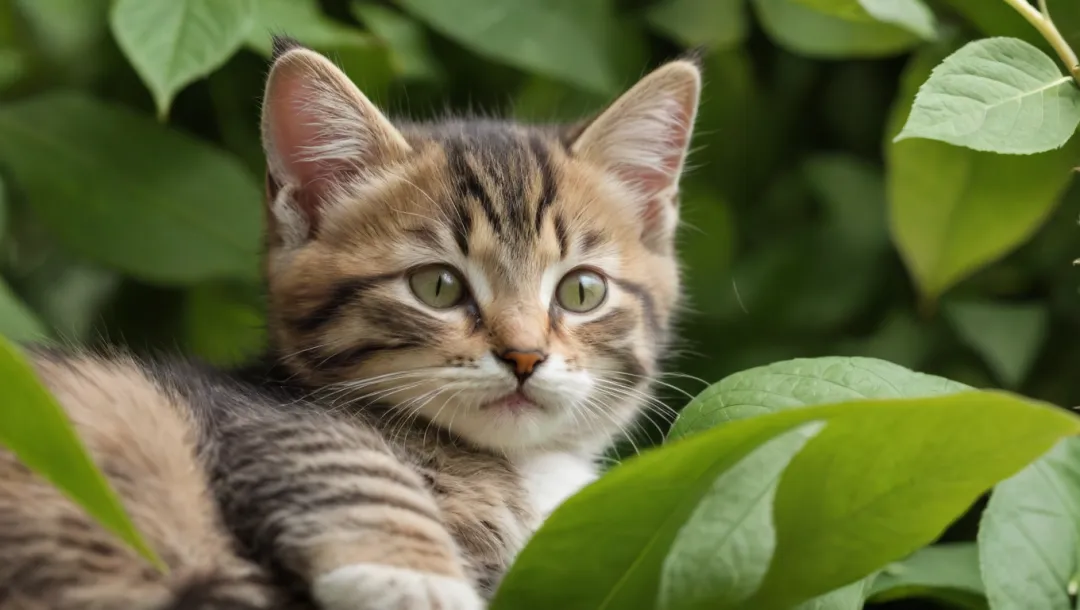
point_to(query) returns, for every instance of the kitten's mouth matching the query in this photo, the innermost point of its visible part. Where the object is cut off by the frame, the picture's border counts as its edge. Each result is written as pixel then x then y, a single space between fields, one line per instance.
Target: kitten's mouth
pixel 515 402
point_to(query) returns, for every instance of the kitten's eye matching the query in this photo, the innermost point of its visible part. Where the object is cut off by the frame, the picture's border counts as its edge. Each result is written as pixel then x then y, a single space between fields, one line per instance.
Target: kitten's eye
pixel 581 291
pixel 437 286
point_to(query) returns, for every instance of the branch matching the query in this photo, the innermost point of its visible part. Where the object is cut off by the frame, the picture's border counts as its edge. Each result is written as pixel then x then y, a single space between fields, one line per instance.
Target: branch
pixel 1040 19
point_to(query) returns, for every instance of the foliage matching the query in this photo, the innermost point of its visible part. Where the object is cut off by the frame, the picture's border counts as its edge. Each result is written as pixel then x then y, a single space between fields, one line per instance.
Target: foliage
pixel 840 143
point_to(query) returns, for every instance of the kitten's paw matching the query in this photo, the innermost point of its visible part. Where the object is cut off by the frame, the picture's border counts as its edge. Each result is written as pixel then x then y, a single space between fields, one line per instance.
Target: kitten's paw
pixel 370 586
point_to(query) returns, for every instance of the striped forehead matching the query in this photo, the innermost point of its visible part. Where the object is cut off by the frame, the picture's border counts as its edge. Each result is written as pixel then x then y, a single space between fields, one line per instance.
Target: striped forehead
pixel 501 186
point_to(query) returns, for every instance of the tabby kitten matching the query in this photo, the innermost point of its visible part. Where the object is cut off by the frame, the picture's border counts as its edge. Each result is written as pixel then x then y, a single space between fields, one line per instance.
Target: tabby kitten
pixel 463 316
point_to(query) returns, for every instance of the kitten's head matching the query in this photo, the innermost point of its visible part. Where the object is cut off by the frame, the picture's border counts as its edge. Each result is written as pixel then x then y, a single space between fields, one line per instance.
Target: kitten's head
pixel 513 284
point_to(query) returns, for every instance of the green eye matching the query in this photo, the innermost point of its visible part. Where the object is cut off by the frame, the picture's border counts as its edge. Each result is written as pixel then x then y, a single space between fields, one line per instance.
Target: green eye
pixel 437 286
pixel 581 291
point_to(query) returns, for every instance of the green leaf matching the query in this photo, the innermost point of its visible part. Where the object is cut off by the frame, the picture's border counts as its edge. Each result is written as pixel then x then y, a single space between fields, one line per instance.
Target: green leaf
pixel 1007 336
pixel 849 597
pixel 17 322
pixel 36 429
pixel 807 32
pixel 912 15
pixel 564 39
pixel 120 189
pixel 953 210
pixel 635 512
pixel 945 572
pixel 803 382
pixel 998 95
pixel 223 323
pixel 172 43
pixel 406 39
pixel 722 551
pixel 1030 532
pixel 715 24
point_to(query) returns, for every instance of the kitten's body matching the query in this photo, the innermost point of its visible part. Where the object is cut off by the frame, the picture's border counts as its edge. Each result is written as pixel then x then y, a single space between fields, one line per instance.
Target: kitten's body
pixel 403 445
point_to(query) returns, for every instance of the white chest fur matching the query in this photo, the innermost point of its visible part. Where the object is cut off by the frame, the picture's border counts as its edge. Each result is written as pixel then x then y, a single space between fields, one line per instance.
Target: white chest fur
pixel 551 478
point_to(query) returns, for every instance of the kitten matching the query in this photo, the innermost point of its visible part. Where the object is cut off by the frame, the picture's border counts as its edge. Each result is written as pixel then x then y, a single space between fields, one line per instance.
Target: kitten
pixel 463 316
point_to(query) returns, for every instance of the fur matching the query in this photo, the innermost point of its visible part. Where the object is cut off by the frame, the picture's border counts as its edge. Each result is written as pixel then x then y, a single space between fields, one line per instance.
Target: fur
pixel 387 454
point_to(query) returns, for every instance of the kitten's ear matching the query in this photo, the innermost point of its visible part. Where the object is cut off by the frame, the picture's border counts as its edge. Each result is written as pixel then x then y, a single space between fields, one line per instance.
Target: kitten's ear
pixel 642 139
pixel 318 131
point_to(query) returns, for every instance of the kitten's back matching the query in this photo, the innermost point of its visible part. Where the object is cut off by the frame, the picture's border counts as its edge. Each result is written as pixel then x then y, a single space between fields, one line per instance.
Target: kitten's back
pixel 53 555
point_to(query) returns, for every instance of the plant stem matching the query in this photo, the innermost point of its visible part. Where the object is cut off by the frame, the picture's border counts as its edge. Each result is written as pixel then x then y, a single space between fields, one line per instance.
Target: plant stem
pixel 1042 22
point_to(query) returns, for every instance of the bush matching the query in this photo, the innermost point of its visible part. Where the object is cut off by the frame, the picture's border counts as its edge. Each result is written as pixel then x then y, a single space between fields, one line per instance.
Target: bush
pixel 879 186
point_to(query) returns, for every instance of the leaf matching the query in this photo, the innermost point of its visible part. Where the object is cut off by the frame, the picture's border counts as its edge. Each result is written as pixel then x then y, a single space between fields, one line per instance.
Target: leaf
pixel 17 322
pixel 1030 532
pixel 172 43
pixel 564 39
pixel 807 32
pixel 849 597
pixel 954 210
pixel 71 35
pixel 36 429
pixel 803 382
pixel 723 549
pixel 1007 336
pixel 634 513
pixel 998 95
pixel 912 15
pixel 120 189
pixel 406 39
pixel 839 491
pixel 715 24
pixel 946 572
pixel 223 323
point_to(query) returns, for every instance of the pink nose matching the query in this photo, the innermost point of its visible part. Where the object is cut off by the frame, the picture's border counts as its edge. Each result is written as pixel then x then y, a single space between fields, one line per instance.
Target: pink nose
pixel 522 362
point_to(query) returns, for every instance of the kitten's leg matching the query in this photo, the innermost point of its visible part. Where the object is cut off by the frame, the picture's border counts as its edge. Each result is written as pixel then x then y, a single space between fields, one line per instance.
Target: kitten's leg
pixel 55 557
pixel 331 504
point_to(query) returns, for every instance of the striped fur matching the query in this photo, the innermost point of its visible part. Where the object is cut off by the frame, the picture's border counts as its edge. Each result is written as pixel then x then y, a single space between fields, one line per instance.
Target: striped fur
pixel 387 454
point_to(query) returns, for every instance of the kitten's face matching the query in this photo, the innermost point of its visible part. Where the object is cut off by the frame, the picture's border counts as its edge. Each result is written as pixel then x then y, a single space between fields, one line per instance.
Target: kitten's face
pixel 507 285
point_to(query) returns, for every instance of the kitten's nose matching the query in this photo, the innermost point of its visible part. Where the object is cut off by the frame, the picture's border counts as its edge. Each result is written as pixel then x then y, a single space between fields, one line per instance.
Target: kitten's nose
pixel 522 362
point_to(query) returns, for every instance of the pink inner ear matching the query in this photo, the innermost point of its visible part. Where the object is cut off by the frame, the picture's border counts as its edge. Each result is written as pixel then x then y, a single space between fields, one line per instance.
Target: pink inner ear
pixel 295 132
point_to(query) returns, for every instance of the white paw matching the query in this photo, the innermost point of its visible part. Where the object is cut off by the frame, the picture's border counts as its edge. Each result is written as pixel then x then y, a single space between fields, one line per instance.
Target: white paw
pixel 370 586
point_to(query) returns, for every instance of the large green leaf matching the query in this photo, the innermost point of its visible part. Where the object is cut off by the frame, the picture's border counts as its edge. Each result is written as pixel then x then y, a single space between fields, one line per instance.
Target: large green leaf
pixel 713 24
pixel 805 31
pixel 36 429
pixel 945 572
pixel 1007 336
pixel 564 39
pixel 635 512
pixel 123 190
pixel 722 552
pixel 912 15
pixel 803 382
pixel 998 95
pixel 17 322
pixel 1030 533
pixel 174 42
pixel 953 210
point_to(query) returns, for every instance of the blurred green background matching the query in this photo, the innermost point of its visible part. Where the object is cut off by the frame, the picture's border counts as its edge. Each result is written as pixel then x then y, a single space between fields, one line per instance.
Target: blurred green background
pixel 133 217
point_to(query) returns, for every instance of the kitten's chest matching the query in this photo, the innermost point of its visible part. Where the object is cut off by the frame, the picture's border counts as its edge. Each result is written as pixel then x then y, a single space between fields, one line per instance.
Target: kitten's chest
pixel 548 480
